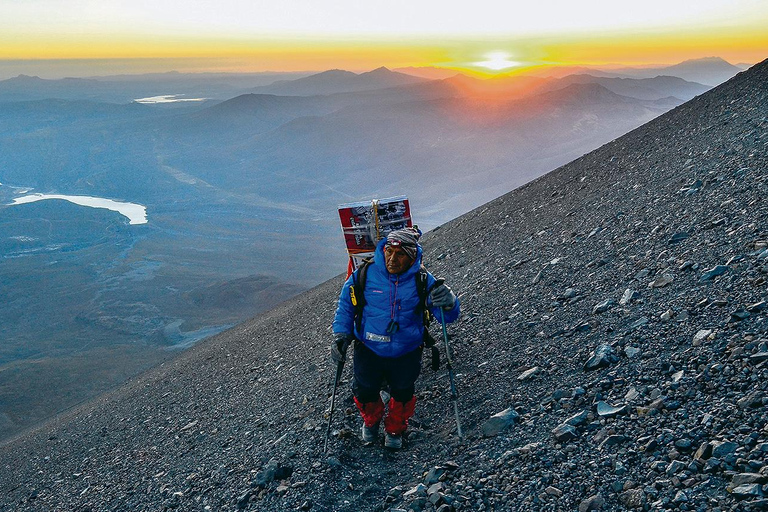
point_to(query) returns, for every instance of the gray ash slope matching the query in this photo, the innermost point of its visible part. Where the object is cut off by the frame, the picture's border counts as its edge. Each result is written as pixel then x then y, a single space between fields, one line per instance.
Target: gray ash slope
pixel 237 422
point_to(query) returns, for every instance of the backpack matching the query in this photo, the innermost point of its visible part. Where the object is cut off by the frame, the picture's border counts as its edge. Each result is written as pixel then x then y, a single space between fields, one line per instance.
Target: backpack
pixel 357 296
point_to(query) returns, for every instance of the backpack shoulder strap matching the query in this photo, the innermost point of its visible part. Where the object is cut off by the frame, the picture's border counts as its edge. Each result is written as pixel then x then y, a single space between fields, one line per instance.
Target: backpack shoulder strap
pixel 422 279
pixel 357 291
pixel 421 289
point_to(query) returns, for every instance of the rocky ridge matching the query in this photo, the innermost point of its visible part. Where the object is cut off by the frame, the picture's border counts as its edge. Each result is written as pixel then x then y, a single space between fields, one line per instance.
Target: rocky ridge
pixel 614 323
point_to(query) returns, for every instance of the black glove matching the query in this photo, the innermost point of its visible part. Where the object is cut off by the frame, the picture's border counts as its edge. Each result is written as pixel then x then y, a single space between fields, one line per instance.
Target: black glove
pixel 339 347
pixel 442 297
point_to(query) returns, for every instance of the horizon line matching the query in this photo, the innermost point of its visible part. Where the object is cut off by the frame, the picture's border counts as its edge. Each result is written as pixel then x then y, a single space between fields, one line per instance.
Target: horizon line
pixel 154 61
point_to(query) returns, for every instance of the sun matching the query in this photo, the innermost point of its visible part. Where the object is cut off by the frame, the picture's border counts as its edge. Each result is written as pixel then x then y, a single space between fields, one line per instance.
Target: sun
pixel 497 61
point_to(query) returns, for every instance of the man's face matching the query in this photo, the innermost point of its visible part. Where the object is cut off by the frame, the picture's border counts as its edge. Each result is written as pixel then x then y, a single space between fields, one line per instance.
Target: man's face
pixel 397 260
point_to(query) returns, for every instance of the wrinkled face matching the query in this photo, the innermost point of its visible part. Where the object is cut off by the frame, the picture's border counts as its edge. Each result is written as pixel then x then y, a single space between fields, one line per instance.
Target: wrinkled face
pixel 397 260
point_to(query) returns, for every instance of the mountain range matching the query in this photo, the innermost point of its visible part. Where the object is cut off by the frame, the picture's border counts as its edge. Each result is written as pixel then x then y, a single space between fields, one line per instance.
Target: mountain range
pixel 611 355
pixel 337 81
pixel 709 71
pixel 220 86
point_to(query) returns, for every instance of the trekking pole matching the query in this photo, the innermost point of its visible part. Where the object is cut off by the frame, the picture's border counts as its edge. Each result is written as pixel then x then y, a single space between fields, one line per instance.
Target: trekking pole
pixel 454 393
pixel 339 368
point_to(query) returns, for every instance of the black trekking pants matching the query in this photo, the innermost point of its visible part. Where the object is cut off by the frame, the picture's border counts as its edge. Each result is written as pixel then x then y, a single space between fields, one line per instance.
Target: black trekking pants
pixel 373 372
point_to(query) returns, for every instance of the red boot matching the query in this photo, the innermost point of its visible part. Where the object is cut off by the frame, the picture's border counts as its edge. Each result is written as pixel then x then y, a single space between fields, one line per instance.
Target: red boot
pixel 371 413
pixel 396 422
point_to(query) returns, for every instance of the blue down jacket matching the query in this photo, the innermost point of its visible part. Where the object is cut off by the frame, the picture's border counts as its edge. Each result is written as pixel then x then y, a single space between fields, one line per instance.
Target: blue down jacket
pixel 388 297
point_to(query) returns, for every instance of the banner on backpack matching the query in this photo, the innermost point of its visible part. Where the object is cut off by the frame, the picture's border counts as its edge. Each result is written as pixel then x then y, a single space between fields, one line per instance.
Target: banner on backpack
pixel 365 223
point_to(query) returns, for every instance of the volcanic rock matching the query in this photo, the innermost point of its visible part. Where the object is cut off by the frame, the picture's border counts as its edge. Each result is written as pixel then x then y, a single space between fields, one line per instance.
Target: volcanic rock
pixel 499 422
pixel 602 357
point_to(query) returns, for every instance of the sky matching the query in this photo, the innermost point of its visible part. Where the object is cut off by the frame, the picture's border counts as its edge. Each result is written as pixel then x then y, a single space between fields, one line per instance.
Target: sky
pixel 307 35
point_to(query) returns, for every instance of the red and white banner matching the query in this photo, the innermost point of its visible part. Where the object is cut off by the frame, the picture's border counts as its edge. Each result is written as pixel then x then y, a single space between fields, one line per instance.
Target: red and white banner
pixel 365 223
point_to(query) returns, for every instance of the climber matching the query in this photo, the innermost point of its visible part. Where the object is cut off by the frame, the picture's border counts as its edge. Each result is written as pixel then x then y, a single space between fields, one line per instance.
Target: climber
pixel 384 318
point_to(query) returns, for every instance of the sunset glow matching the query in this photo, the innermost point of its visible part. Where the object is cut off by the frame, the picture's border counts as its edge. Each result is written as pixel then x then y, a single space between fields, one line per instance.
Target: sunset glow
pixel 237 35
pixel 497 61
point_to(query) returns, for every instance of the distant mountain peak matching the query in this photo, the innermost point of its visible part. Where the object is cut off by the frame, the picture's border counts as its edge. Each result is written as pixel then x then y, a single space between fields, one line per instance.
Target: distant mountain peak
pixel 27 78
pixel 332 72
pixel 710 62
pixel 460 79
pixel 379 71
pixel 338 81
pixel 428 72
pixel 703 60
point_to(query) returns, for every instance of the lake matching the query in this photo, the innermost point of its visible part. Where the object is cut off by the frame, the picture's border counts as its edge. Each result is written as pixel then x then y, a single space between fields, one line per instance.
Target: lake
pixel 167 98
pixel 136 213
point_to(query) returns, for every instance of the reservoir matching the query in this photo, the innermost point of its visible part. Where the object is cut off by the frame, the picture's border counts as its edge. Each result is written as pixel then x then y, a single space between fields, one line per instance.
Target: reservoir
pixel 136 213
pixel 167 98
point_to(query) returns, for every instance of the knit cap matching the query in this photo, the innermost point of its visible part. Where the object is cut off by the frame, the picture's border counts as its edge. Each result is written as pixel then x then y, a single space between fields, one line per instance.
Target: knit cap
pixel 407 239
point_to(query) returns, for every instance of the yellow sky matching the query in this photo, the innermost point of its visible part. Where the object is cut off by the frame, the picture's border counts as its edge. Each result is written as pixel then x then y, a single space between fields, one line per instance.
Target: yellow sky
pixel 293 35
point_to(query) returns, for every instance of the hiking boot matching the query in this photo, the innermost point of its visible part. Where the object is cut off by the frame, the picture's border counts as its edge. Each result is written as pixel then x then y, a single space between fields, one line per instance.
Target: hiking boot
pixel 393 441
pixel 370 434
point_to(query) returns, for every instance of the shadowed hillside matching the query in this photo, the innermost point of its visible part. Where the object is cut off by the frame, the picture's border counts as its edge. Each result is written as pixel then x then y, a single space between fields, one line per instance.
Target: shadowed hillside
pixel 651 250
